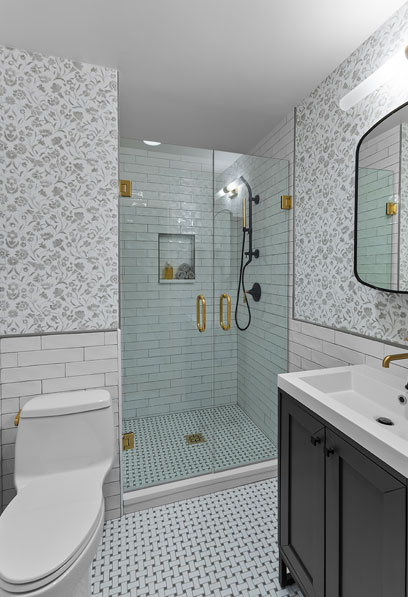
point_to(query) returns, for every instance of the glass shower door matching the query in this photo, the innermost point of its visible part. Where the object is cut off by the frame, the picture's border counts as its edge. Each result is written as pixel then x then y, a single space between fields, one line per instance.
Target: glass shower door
pixel 166 281
pixel 250 344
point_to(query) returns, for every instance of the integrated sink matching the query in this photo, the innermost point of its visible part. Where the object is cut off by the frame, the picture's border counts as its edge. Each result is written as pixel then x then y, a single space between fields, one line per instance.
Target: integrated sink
pixel 364 391
pixel 369 404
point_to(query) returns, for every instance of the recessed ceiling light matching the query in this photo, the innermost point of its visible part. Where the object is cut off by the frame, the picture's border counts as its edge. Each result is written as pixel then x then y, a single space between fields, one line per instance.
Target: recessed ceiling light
pixel 151 142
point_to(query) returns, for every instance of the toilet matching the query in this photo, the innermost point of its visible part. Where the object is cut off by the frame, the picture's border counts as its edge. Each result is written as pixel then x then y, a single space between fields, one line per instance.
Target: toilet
pixel 50 531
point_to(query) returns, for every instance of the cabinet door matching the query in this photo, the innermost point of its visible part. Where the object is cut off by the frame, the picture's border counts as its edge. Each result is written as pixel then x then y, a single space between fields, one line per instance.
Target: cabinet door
pixel 365 525
pixel 301 495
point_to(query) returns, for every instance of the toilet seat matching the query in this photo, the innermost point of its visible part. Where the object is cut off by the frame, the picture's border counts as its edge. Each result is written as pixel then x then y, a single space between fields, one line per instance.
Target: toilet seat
pixel 46 527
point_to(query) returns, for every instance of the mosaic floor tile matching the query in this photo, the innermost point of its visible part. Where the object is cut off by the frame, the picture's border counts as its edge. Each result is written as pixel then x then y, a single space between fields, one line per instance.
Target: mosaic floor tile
pixel 222 544
pixel 162 454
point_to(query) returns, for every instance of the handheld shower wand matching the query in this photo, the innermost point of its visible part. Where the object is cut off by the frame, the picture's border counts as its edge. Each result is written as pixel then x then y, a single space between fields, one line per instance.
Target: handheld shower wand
pixel 255 292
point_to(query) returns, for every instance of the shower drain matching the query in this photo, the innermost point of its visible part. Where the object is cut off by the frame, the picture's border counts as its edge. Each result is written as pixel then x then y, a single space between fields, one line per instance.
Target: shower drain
pixel 195 438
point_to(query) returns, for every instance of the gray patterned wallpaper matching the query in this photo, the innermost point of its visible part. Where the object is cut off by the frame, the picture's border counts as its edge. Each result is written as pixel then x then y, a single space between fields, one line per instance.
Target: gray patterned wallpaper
pixel 326 291
pixel 58 194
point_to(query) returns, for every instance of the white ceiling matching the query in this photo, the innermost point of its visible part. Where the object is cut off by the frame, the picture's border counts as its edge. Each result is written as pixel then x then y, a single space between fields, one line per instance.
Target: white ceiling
pixel 204 73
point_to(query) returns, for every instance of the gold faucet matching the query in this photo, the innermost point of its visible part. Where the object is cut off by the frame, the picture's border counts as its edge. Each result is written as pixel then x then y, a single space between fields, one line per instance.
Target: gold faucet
pixel 394 357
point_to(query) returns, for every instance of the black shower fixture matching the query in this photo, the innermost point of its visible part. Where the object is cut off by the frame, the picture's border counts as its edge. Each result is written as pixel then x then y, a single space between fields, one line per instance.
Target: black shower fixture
pixel 255 291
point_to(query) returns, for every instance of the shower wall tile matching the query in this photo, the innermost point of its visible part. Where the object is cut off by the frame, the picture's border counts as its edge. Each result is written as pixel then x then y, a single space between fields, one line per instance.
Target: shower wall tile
pixel 62 369
pixel 262 348
pixel 166 363
pixel 58 225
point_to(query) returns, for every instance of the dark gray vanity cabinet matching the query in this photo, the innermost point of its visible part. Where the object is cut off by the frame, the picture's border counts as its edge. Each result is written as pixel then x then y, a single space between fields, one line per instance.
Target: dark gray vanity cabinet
pixel 342 515
pixel 301 496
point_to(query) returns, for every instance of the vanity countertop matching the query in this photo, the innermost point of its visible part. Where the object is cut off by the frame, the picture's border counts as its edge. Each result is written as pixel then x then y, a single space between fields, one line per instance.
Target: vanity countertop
pixel 352 399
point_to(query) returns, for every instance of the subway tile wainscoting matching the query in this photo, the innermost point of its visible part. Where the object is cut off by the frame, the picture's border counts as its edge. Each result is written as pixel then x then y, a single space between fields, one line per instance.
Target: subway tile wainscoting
pixel 32 365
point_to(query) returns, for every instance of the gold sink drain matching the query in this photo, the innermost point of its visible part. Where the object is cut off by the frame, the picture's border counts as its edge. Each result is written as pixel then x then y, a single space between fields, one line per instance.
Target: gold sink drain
pixel 195 438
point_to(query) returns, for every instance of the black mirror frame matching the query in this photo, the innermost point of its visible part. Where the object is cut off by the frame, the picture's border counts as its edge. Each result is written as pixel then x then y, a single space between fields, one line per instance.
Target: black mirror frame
pixel 356 203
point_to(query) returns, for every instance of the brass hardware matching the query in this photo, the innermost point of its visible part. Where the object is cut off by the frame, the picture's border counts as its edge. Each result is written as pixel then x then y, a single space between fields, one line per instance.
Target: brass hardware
pixel 286 202
pixel 391 209
pixel 394 357
pixel 195 438
pixel 201 326
pixel 226 326
pixel 243 212
pixel 128 441
pixel 17 418
pixel 125 188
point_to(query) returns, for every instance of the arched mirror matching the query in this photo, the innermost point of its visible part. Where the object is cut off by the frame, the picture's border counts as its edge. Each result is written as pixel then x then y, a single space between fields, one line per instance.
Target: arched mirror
pixel 381 218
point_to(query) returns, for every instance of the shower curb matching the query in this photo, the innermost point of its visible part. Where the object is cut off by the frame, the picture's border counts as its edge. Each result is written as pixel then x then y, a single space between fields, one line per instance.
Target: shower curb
pixel 167 493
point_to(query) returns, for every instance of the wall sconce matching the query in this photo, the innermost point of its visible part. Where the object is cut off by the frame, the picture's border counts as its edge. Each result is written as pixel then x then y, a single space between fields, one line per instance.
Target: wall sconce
pixel 393 68
pixel 231 190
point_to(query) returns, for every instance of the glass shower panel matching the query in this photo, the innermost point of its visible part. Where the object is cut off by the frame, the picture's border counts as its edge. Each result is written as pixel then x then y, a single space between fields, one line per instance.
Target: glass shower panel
pixel 250 349
pixel 166 262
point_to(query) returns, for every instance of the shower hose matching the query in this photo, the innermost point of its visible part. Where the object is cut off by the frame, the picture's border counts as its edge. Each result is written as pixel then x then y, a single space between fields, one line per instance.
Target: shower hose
pixel 241 283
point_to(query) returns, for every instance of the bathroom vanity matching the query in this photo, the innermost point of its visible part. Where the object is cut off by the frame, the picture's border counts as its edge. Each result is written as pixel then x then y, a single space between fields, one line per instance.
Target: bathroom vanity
pixel 343 482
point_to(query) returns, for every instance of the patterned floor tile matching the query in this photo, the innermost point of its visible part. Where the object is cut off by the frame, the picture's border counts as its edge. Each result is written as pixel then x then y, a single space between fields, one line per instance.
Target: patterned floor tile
pixel 161 453
pixel 222 544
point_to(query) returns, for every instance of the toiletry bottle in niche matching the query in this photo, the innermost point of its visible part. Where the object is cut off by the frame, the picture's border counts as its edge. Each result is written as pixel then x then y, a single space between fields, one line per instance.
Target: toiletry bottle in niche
pixel 168 271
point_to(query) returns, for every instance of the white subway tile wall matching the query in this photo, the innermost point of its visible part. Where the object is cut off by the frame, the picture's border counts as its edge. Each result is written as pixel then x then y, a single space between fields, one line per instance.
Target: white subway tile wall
pixel 166 362
pixel 168 366
pixel 32 365
pixel 262 348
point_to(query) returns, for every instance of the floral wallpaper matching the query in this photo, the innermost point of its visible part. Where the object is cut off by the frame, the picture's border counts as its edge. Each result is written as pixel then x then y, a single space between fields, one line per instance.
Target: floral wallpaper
pixel 326 291
pixel 58 194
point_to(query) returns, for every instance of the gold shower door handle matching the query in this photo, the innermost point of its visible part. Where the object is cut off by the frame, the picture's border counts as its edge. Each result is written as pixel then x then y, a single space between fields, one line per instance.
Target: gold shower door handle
pixel 201 302
pixel 226 326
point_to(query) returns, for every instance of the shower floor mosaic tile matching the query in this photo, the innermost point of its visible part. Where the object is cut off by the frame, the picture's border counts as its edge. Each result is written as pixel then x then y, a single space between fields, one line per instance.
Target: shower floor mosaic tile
pixel 162 454
pixel 223 545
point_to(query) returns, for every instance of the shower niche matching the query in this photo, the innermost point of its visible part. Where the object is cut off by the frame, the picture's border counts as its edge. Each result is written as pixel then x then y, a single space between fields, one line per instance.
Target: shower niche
pixel 176 258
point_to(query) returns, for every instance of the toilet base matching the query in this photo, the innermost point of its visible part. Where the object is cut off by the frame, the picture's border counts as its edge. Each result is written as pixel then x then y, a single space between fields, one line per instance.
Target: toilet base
pixel 83 588
pixel 76 580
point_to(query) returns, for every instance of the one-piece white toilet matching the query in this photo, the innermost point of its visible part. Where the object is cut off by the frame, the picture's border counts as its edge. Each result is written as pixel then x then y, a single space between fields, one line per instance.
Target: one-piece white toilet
pixel 50 531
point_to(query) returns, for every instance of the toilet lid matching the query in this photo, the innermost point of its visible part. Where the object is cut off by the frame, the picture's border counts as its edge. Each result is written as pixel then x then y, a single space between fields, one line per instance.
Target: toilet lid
pixel 46 524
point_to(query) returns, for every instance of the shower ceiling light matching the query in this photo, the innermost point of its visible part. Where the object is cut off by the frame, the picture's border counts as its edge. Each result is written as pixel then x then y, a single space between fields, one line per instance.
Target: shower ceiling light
pixel 151 142
pixel 395 67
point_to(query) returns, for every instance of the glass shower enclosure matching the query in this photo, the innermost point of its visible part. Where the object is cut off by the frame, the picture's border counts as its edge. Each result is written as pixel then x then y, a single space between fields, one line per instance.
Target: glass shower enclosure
pixel 199 392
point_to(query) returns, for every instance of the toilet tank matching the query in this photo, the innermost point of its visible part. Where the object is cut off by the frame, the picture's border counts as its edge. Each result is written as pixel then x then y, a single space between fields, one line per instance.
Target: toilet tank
pixel 65 432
